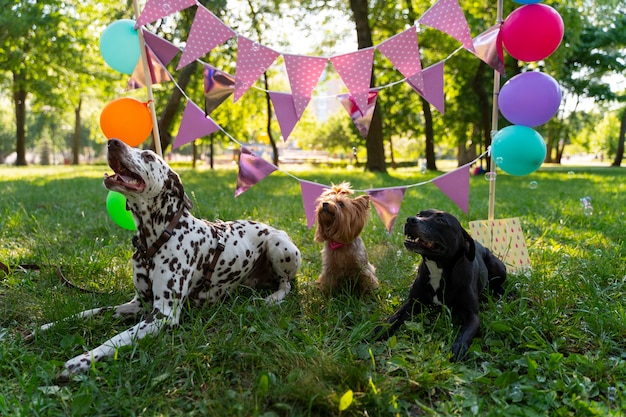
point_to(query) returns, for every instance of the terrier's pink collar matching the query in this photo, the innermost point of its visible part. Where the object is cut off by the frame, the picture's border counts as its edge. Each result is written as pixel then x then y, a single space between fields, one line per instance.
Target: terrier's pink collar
pixel 335 245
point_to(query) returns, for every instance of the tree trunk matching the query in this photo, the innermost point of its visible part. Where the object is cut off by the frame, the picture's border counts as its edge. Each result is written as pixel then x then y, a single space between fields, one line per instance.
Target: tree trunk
pixel 374 142
pixel 268 103
pixel 429 149
pixel 620 143
pixel 76 137
pixel 484 106
pixel 171 108
pixel 19 99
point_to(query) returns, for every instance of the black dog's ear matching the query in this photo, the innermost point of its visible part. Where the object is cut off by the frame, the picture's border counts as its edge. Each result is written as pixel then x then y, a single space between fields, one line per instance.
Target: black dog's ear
pixel 470 246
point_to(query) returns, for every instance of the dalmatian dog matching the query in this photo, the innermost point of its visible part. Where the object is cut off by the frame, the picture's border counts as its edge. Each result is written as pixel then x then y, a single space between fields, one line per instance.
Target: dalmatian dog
pixel 180 258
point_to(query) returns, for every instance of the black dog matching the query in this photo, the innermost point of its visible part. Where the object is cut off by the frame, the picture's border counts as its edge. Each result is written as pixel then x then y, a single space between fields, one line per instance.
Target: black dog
pixel 454 271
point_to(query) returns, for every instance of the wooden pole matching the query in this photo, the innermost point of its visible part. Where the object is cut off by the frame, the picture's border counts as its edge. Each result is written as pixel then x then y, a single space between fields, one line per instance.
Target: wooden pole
pixel 494 129
pixel 148 81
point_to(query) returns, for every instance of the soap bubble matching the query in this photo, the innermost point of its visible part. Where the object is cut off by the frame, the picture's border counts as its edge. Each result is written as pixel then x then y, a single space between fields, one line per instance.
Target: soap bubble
pixel 532 185
pixel 490 176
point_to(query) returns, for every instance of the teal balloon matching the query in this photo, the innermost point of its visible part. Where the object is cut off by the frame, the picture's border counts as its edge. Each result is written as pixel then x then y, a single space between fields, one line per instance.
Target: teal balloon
pixel 518 150
pixel 119 46
pixel 116 207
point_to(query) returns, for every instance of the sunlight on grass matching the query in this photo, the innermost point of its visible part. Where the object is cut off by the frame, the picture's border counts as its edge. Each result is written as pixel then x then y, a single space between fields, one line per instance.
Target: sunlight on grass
pixel 555 346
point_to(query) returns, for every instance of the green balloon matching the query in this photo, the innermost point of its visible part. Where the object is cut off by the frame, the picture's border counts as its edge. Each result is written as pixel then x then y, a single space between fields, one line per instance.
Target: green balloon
pixel 116 206
pixel 518 150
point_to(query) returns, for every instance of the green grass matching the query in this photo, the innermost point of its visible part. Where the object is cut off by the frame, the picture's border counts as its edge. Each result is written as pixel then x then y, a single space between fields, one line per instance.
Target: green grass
pixel 558 348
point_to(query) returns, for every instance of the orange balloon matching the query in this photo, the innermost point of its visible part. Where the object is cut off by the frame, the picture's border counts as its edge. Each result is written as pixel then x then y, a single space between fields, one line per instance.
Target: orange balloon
pixel 126 119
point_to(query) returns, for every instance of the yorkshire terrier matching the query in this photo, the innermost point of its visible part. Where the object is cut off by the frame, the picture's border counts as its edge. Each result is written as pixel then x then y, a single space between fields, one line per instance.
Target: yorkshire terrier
pixel 340 219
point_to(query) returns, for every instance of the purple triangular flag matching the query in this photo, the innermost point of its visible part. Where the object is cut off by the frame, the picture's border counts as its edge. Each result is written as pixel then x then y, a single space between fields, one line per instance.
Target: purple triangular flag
pixel 433 85
pixel 252 169
pixel 285 112
pixel 310 193
pixel 164 50
pixel 403 52
pixel 194 125
pixel 455 184
pixel 387 202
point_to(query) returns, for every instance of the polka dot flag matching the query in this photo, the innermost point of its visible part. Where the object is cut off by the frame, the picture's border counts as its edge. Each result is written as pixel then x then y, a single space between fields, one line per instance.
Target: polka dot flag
pixel 403 52
pixel 447 16
pixel 304 73
pixel 355 69
pixel 156 9
pixel 504 237
pixel 252 61
pixel 206 32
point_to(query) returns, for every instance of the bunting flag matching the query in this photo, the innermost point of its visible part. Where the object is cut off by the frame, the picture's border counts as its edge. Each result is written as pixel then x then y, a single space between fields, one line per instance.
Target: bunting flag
pixel 252 169
pixel 455 185
pixel 387 202
pixel 403 52
pixel 504 237
pixel 432 78
pixel 310 193
pixel 285 110
pixel 447 17
pixel 304 73
pixel 207 32
pixel 355 69
pixel 361 120
pixel 158 73
pixel 218 85
pixel 252 61
pixel 156 9
pixel 194 125
pixel 164 50
pixel 488 47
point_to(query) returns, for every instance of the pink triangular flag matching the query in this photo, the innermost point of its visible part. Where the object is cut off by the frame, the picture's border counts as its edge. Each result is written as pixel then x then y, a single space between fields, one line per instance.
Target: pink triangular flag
pixel 387 202
pixel 304 73
pixel 447 16
pixel 252 61
pixel 355 69
pixel 252 169
pixel 403 52
pixel 156 9
pixel 488 47
pixel 194 125
pixel 455 184
pixel 310 193
pixel 164 50
pixel 207 32
pixel 361 120
pixel 285 112
pixel 433 85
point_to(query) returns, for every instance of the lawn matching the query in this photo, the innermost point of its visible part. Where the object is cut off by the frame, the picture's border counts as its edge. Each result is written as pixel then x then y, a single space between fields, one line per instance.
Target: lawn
pixel 556 347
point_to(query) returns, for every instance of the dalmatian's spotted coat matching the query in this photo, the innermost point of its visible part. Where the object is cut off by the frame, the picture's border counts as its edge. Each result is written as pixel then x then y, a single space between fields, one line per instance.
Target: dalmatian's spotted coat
pixel 180 258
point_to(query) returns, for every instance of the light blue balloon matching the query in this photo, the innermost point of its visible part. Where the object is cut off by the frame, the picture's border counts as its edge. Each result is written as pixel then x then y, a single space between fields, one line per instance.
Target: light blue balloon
pixel 119 46
pixel 518 150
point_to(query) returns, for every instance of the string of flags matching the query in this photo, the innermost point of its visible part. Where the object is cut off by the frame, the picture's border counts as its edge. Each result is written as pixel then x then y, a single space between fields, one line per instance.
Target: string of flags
pixel 355 69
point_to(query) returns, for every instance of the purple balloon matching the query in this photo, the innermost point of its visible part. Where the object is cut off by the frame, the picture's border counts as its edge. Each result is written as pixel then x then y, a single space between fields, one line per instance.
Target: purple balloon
pixel 530 99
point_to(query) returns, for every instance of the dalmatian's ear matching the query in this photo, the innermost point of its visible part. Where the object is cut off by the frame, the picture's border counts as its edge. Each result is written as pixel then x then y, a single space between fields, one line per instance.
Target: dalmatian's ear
pixel 188 202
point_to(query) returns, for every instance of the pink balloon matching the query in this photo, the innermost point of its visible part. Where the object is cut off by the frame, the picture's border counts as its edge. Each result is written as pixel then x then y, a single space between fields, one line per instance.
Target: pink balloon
pixel 532 32
pixel 530 99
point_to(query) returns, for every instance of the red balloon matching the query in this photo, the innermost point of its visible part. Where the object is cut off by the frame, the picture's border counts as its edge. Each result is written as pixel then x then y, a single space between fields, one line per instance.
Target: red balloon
pixel 126 119
pixel 532 32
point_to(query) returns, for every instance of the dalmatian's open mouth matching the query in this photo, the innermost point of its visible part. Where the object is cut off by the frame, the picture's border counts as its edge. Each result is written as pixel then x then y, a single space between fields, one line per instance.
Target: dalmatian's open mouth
pixel 123 177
